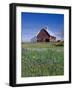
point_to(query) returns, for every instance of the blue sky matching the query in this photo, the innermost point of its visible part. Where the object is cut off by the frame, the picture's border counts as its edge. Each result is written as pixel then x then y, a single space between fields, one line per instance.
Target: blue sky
pixel 31 24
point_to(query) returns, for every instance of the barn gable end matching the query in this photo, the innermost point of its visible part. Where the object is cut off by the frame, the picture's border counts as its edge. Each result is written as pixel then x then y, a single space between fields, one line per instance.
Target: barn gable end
pixel 43 36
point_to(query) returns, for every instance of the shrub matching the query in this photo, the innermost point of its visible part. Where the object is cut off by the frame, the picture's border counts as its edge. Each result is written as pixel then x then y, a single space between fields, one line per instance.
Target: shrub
pixel 61 43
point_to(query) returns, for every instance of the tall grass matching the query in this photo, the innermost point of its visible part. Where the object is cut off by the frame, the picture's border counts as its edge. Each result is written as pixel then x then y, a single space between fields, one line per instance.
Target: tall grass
pixel 42 60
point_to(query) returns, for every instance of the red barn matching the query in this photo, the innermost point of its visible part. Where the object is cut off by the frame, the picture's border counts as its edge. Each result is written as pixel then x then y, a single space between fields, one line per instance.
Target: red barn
pixel 43 36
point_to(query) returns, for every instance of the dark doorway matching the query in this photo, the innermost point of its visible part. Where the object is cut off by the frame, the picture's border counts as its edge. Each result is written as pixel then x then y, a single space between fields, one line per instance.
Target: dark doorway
pixel 47 40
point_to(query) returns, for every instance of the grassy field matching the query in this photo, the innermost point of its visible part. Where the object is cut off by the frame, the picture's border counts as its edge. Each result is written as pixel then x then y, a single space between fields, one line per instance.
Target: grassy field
pixel 42 59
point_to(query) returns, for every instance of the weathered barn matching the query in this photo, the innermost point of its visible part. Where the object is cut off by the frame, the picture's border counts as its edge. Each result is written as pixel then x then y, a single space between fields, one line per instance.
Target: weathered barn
pixel 43 36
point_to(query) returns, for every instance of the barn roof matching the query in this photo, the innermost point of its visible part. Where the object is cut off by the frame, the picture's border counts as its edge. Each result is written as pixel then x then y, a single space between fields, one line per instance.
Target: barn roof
pixel 43 29
pixel 52 36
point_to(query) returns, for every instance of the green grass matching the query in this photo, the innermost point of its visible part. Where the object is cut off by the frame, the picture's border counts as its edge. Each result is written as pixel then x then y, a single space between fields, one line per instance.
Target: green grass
pixel 42 59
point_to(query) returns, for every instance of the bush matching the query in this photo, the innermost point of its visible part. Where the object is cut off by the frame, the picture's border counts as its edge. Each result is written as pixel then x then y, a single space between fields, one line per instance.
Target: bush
pixel 61 43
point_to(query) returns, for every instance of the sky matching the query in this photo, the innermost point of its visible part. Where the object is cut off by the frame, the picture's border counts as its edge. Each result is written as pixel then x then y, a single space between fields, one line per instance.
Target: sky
pixel 32 23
